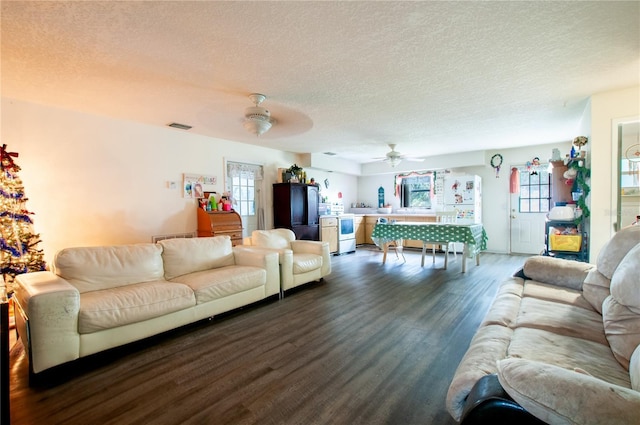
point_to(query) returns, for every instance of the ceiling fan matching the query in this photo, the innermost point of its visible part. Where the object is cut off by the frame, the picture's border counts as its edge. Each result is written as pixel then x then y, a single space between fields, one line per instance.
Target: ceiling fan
pixel 394 157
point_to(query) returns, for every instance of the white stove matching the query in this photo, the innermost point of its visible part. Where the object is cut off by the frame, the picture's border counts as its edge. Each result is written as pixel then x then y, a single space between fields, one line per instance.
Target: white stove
pixel 346 234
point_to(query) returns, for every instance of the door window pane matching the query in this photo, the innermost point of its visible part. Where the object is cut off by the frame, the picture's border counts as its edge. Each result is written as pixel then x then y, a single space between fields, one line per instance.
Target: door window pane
pixel 535 191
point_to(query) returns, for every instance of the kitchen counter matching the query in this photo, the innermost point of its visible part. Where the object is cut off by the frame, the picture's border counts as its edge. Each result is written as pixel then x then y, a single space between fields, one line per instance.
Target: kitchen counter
pixel 394 214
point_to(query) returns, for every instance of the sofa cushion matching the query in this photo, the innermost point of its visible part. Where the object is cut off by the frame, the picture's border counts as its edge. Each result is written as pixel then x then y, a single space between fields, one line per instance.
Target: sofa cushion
pixel 104 267
pixel 621 310
pixel 113 307
pixel 220 282
pixel 183 256
pixel 557 271
pixel 625 283
pixel 616 249
pixel 634 369
pixel 555 293
pixel 561 319
pixel 274 238
pixel 303 263
pixel 595 289
pixel 542 390
pixel 568 352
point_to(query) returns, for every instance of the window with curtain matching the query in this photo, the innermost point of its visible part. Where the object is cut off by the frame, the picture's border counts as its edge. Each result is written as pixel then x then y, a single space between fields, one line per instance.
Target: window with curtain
pixel 415 190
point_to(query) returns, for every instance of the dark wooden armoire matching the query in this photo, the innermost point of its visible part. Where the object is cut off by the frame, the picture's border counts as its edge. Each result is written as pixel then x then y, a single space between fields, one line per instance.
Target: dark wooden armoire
pixel 295 207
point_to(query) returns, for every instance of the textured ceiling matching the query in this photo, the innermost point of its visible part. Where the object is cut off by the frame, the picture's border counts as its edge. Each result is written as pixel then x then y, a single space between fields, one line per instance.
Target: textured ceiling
pixel 346 77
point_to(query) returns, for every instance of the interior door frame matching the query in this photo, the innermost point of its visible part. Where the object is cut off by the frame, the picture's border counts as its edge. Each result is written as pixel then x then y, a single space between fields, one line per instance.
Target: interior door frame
pixel 258 192
pixel 516 207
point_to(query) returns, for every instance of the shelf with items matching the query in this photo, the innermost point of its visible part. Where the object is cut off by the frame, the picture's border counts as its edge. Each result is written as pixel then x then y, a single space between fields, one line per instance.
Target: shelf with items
pixel 565 239
pixel 570 184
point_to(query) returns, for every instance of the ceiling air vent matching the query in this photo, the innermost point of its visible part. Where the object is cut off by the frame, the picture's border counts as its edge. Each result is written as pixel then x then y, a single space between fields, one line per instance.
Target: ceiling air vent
pixel 180 126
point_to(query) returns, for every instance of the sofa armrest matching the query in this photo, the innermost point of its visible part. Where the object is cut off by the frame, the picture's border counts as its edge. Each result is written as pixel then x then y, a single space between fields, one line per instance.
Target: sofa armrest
pixel 557 271
pixel 314 247
pixel 50 305
pixel 263 258
pixel 488 403
pixel 562 396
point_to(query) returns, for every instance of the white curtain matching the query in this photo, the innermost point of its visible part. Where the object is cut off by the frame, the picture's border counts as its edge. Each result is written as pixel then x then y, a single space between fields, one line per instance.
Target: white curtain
pixel 250 171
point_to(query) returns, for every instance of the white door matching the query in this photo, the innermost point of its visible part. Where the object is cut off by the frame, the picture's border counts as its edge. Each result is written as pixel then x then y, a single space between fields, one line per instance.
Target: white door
pixel 529 206
pixel 244 182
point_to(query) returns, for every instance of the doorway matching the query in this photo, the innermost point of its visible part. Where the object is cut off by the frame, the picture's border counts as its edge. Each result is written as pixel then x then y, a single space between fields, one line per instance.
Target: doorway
pixel 530 201
pixel 244 183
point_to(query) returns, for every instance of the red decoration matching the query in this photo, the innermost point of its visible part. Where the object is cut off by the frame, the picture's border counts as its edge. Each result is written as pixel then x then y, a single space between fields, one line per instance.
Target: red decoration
pixel 514 181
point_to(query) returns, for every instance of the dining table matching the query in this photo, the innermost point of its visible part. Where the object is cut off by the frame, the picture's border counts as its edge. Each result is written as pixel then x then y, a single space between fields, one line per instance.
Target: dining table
pixel 472 236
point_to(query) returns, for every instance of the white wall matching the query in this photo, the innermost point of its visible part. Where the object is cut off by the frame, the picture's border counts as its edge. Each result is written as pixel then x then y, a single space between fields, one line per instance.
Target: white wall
pixel 95 180
pixel 606 110
pixel 342 187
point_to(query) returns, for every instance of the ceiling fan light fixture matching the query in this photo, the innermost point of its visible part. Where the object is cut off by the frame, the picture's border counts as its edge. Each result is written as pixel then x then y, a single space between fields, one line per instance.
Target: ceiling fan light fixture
pixel 257 126
pixel 393 161
pixel 257 118
pixel 633 153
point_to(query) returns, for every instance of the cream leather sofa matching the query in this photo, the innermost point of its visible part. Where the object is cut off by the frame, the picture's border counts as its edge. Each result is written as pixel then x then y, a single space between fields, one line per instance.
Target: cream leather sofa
pixel 96 298
pixel 300 261
pixel 560 344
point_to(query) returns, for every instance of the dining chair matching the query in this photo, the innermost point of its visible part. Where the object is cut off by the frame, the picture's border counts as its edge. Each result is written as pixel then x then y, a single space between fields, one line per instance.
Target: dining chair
pixel 444 217
pixel 396 245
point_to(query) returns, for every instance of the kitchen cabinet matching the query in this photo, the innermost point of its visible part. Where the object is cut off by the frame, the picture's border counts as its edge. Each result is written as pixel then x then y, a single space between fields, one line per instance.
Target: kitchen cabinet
pixel 359 227
pixel 218 223
pixel 329 232
pixel 369 223
pixel 295 207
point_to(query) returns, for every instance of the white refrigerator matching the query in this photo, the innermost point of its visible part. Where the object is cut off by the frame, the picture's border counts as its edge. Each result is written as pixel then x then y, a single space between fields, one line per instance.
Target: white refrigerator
pixel 464 195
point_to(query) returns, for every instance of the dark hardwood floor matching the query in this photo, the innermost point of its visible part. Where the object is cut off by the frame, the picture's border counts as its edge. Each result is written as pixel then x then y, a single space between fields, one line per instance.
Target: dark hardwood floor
pixel 370 344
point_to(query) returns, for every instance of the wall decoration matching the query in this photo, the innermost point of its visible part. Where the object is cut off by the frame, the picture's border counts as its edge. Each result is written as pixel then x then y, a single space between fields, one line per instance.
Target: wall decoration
pixel 533 166
pixel 514 181
pixel 496 162
pixel 195 185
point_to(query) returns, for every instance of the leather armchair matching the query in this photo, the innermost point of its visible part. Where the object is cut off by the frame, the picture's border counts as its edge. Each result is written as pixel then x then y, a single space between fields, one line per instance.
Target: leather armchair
pixel 300 261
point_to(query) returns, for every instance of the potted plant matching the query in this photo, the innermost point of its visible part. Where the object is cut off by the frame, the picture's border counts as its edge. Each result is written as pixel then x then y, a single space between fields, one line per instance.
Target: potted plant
pixel 293 172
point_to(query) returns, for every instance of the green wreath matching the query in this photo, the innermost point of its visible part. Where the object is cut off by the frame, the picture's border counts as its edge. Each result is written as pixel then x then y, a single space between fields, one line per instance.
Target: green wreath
pixel 496 164
pixel 493 159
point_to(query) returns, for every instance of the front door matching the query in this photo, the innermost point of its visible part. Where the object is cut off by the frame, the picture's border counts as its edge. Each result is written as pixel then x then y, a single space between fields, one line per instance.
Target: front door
pixel 529 206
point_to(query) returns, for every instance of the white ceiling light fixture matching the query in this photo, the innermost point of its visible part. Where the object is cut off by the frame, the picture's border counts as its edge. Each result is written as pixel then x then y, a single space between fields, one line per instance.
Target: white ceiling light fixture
pixel 394 158
pixel 257 119
pixel 633 153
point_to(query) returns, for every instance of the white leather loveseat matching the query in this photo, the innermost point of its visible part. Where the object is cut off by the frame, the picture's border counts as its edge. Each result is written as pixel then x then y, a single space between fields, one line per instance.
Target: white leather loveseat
pixel 96 298
pixel 300 261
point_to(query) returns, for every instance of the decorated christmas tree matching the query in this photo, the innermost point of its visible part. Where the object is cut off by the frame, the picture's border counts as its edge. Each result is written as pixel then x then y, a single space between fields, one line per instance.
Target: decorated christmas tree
pixel 18 244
